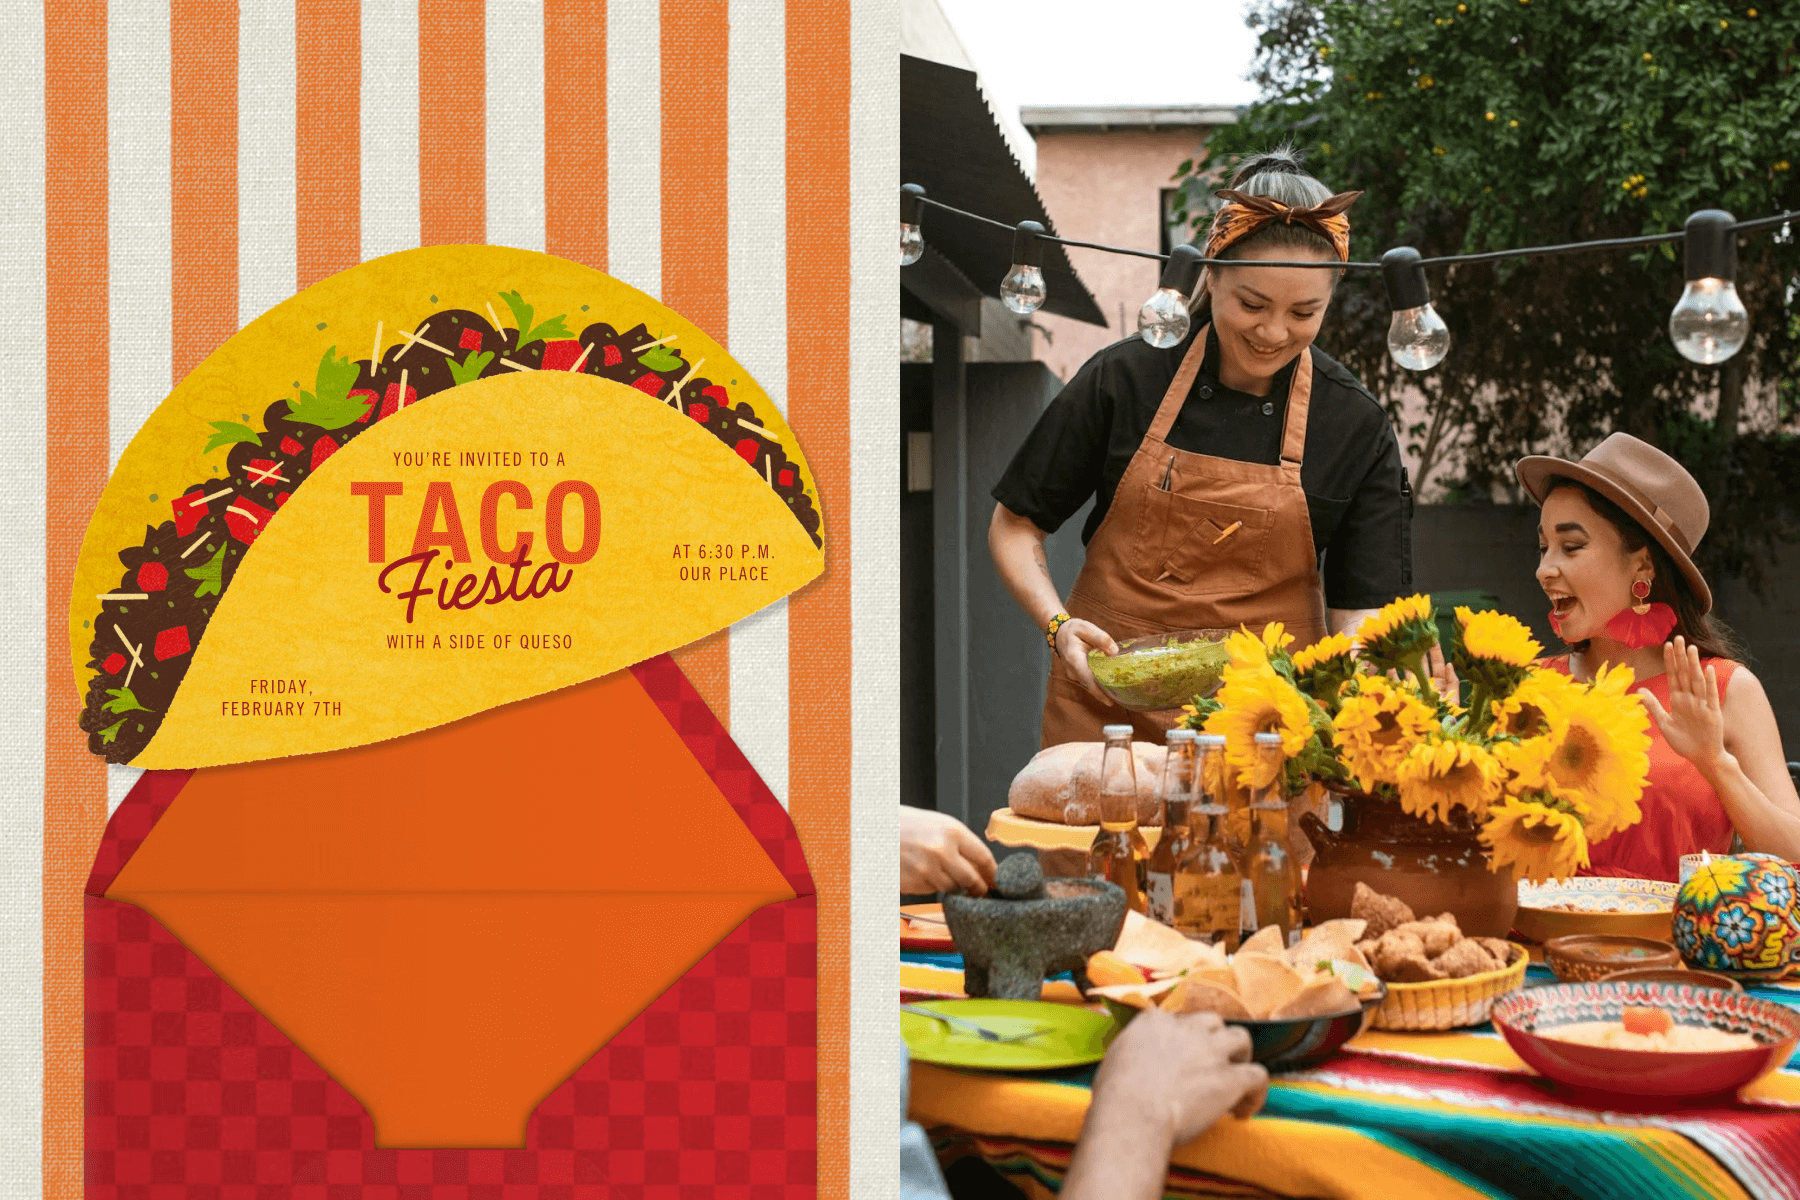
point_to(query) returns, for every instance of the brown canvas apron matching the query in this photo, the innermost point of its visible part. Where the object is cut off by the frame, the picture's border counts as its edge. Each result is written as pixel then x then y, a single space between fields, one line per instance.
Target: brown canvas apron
pixel 1162 559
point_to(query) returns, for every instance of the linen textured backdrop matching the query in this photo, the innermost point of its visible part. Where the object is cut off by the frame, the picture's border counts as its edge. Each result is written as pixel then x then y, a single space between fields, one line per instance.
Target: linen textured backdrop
pixel 171 169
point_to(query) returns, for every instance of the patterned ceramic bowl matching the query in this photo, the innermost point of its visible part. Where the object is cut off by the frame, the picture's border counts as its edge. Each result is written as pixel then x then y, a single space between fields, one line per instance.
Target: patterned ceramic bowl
pixel 1524 1017
pixel 1290 1044
pixel 1586 957
pixel 1674 975
pixel 1593 904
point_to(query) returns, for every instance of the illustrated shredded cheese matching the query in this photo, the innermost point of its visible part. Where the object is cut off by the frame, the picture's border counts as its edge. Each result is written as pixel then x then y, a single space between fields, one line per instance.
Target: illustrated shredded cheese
pixel 652 345
pixel 491 316
pixel 507 362
pixel 753 427
pixel 422 340
pixel 375 358
pixel 583 358
pixel 124 596
pixel 240 512
pixel 402 387
pixel 197 542
pixel 215 496
pixel 268 474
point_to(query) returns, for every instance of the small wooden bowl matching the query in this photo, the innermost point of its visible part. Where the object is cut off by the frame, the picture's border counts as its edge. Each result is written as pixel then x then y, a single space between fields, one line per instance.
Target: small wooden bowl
pixel 1674 975
pixel 1587 957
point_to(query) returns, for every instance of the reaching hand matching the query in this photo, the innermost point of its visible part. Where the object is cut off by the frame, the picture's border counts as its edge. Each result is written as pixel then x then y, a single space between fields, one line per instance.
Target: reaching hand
pixel 1694 722
pixel 939 854
pixel 1073 641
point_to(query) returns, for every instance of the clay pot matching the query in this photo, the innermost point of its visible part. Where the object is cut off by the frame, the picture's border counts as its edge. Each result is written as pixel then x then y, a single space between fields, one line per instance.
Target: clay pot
pixel 1433 867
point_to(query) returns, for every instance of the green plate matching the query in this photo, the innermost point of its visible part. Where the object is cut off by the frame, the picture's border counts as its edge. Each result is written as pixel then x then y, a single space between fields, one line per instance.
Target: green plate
pixel 1074 1037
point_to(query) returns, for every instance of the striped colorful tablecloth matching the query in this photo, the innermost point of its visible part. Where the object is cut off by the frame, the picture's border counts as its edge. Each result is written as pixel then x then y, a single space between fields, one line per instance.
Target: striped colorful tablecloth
pixel 1399 1115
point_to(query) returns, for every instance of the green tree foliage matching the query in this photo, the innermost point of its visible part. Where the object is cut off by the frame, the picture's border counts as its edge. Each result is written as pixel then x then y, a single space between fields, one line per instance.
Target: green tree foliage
pixel 1490 124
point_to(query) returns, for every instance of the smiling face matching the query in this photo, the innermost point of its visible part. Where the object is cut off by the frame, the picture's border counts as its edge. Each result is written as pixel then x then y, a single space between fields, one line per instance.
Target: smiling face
pixel 1265 317
pixel 1584 566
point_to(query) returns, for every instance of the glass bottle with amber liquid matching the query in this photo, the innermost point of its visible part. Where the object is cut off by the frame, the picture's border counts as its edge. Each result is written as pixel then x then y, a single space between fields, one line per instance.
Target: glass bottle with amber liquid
pixel 1120 854
pixel 1208 885
pixel 1177 796
pixel 1271 876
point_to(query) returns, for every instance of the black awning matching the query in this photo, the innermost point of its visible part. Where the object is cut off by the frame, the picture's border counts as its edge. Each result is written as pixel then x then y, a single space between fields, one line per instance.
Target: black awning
pixel 951 146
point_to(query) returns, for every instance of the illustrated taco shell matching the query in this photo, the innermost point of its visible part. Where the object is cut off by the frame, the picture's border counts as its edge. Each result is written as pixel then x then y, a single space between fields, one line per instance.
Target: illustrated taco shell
pixel 433 484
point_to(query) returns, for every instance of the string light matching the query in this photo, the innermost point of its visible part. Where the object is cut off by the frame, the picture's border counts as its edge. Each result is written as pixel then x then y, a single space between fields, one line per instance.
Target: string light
pixel 1709 324
pixel 1417 337
pixel 1023 290
pixel 912 211
pixel 1163 320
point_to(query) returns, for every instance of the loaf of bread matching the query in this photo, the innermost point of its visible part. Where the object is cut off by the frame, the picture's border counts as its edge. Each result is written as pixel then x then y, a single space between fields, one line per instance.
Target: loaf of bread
pixel 1062 784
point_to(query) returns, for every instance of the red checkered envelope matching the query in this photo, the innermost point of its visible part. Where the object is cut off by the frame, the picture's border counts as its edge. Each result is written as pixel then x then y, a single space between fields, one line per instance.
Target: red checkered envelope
pixel 470 940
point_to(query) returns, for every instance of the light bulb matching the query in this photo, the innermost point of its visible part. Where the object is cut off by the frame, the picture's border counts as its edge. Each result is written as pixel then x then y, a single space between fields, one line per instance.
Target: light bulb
pixel 1023 291
pixel 1163 321
pixel 1418 338
pixel 912 211
pixel 912 244
pixel 1709 323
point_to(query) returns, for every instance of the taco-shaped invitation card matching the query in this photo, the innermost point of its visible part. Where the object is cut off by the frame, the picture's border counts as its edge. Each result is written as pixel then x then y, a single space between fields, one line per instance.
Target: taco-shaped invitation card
pixel 437 849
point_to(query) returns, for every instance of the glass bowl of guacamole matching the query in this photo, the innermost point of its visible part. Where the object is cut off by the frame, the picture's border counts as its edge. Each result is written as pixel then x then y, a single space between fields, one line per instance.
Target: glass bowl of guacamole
pixel 1164 670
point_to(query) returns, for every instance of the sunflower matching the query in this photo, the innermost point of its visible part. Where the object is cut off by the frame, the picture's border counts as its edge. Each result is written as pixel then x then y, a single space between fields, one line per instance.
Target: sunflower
pixel 1538 842
pixel 1527 711
pixel 1439 774
pixel 1259 701
pixel 1527 764
pixel 1327 649
pixel 1613 679
pixel 1397 637
pixel 1378 727
pixel 1324 667
pixel 1251 650
pixel 1496 637
pixel 1600 747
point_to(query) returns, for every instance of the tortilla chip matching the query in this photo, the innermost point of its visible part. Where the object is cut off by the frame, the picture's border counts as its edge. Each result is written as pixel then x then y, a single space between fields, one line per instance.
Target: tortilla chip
pixel 1325 995
pixel 1264 984
pixel 1266 940
pixel 1137 995
pixel 1191 995
pixel 1326 941
pixel 1161 950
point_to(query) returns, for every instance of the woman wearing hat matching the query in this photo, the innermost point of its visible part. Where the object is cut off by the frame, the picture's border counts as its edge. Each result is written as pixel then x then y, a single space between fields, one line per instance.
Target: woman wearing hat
pixel 1239 478
pixel 1616 538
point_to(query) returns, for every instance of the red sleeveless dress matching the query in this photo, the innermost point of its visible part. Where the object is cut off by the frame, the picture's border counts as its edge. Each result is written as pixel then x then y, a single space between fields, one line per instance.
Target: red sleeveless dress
pixel 1682 813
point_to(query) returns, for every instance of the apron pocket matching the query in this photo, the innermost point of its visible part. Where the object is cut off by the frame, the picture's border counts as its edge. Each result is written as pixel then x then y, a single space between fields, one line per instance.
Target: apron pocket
pixel 1200 547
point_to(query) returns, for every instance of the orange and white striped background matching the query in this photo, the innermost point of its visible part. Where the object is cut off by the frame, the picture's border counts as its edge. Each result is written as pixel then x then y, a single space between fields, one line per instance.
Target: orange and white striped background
pixel 170 169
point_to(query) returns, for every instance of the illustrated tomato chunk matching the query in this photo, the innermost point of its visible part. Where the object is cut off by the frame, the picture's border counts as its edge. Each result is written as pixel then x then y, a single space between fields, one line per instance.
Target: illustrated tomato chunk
pixel 747 450
pixel 611 356
pixel 323 449
pixel 246 518
pixel 171 642
pixel 368 397
pixel 281 498
pixel 699 412
pixel 470 339
pixel 390 404
pixel 716 394
pixel 153 577
pixel 188 509
pixel 785 478
pixel 115 662
pixel 561 355
pixel 649 384
pixel 263 471
pixel 1643 1019
pixel 290 446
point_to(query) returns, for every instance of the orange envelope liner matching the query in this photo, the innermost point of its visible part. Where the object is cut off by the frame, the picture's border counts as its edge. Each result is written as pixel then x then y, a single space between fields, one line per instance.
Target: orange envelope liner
pixel 569 940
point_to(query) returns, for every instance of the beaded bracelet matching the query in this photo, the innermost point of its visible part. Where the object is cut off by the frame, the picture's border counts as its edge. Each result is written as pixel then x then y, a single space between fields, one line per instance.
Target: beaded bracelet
pixel 1056 623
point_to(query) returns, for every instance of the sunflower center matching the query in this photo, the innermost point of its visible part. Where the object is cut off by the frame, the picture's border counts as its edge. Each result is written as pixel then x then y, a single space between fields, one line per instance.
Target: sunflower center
pixel 1575 759
pixel 1528 721
pixel 1387 730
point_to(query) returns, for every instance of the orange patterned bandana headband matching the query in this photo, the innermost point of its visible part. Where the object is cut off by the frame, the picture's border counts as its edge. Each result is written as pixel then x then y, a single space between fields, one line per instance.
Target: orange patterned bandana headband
pixel 1245 214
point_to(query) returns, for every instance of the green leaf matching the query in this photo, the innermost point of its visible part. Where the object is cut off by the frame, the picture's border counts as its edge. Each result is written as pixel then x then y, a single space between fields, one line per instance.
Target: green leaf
pixel 659 358
pixel 330 405
pixel 122 701
pixel 228 433
pixel 210 575
pixel 522 313
pixel 110 734
pixel 470 368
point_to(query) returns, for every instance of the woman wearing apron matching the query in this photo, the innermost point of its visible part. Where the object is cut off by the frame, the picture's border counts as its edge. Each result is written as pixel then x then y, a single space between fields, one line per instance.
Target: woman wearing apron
pixel 1240 478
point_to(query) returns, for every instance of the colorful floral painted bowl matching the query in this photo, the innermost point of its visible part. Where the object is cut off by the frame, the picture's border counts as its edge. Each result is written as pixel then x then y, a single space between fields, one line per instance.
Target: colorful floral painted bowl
pixel 1740 913
pixel 1595 904
pixel 1524 1016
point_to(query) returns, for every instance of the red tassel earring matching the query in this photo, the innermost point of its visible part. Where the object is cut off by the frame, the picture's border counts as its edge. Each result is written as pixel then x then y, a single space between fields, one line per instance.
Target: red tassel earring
pixel 1642 624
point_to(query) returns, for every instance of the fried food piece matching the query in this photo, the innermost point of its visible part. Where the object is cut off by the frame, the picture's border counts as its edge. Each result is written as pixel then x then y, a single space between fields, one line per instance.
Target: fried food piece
pixel 1381 912
pixel 1464 959
pixel 1395 949
pixel 1191 995
pixel 1415 969
pixel 1500 949
pixel 1437 935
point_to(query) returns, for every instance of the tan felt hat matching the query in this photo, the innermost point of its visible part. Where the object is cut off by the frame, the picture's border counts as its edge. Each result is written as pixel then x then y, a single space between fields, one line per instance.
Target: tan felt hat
pixel 1652 488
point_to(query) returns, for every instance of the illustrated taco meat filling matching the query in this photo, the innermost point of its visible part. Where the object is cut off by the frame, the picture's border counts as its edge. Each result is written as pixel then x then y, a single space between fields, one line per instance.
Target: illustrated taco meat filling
pixel 149 625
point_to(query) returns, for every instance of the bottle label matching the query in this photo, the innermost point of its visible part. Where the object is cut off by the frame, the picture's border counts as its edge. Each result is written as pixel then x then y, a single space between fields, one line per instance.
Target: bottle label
pixel 1162 897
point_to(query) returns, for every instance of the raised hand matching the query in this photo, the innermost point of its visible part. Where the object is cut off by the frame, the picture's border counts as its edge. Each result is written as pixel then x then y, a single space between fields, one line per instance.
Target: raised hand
pixel 1694 722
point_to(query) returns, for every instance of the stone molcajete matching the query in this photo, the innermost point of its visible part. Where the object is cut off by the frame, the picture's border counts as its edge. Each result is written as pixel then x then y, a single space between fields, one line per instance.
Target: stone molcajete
pixel 1031 928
